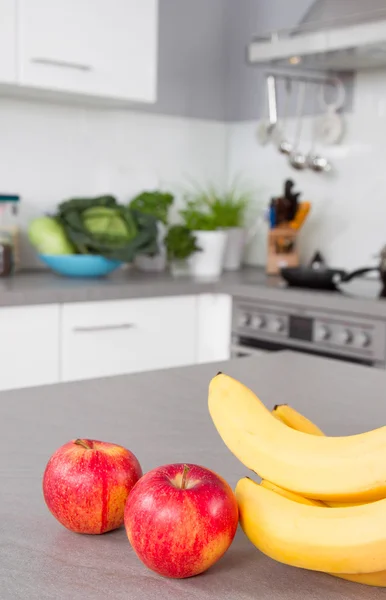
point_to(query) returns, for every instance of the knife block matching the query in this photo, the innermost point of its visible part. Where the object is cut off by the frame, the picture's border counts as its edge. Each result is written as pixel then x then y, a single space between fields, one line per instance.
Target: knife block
pixel 282 249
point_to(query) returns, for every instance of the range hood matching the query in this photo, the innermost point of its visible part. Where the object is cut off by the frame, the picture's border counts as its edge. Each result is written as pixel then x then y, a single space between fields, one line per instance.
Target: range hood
pixel 335 42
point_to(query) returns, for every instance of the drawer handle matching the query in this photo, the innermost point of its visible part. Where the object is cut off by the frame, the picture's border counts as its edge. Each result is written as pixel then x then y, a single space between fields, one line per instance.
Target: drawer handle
pixel 50 62
pixel 93 328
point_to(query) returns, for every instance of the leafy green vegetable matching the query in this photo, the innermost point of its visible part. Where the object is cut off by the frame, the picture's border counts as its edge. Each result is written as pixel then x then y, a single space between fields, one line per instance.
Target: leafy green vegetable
pixel 102 226
pixel 180 243
pixel 107 220
pixel 154 203
pixel 48 236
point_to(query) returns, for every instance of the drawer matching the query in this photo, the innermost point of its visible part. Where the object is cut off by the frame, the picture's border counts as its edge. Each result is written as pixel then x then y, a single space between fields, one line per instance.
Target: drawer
pixel 127 336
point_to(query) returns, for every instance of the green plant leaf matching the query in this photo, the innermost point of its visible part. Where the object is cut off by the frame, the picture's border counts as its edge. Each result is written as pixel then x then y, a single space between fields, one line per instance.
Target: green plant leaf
pixel 180 243
pixel 208 208
pixel 156 204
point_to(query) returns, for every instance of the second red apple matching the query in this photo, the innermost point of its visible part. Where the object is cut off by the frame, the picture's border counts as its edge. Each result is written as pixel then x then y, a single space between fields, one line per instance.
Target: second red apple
pixel 180 519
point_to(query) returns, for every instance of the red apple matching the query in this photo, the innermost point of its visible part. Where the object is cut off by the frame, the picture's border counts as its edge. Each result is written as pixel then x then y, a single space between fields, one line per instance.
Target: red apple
pixel 180 519
pixel 86 484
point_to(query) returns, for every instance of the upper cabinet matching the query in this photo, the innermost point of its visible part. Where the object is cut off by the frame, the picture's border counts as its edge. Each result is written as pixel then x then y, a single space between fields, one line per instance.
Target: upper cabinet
pixel 105 48
pixel 8 41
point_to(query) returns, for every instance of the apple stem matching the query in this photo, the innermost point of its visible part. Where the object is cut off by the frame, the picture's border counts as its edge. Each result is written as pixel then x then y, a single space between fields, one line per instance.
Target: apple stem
pixel 83 443
pixel 184 474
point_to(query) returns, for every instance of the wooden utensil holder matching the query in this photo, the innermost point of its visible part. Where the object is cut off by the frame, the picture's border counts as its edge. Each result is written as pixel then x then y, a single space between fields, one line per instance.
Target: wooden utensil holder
pixel 282 249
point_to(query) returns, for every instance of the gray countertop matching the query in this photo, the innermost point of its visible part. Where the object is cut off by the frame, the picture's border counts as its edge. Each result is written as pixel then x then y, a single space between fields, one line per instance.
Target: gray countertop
pixel 251 283
pixel 163 418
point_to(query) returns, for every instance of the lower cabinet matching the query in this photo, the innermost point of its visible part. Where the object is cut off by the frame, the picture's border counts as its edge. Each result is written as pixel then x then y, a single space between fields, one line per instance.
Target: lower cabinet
pixel 52 343
pixel 100 339
pixel 29 349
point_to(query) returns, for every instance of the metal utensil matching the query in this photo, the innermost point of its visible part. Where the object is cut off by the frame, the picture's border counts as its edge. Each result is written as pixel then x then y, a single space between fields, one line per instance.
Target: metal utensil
pixel 315 162
pixel 297 159
pixel 267 126
pixel 319 164
pixel 284 145
pixel 331 125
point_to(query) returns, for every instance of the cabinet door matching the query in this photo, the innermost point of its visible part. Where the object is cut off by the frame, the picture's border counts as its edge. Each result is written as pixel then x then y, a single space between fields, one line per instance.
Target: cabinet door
pixel 8 41
pixel 127 336
pixel 214 327
pixel 98 47
pixel 29 349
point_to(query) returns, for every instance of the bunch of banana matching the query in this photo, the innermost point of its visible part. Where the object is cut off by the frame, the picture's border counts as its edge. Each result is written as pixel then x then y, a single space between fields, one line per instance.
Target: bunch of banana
pixel 322 502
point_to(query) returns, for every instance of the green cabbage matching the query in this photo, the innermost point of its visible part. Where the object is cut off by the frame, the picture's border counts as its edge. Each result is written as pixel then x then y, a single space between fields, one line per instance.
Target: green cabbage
pixel 102 226
pixel 106 220
pixel 48 236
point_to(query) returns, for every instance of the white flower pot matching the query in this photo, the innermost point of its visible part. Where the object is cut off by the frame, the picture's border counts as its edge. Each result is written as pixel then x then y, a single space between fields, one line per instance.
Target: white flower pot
pixel 208 263
pixel 234 250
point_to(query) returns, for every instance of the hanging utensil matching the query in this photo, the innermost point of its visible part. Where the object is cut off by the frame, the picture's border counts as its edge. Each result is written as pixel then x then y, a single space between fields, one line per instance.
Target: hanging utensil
pixel 297 159
pixel 330 127
pixel 267 126
pixel 284 145
pixel 315 162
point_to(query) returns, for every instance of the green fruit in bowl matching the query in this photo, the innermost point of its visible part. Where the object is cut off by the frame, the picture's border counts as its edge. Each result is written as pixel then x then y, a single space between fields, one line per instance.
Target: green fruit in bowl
pixel 47 235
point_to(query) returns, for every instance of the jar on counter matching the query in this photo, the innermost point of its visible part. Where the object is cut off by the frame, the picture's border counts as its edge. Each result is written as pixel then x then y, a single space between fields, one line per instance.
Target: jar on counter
pixel 6 255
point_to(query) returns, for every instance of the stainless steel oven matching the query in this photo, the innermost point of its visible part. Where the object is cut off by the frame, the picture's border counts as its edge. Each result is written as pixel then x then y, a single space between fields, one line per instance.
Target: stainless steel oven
pixel 259 327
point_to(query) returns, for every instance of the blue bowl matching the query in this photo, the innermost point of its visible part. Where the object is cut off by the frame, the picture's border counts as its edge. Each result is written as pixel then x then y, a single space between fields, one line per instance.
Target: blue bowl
pixel 80 265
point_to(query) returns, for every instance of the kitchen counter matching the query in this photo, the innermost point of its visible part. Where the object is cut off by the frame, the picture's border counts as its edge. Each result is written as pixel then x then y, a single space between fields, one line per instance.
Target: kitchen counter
pixel 162 417
pixel 44 287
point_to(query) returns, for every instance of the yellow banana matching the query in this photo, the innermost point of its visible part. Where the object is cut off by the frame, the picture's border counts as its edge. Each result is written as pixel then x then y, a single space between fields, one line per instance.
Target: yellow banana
pixel 346 541
pixel 291 417
pixel 339 469
pixel 297 421
pixel 290 495
pixel 374 579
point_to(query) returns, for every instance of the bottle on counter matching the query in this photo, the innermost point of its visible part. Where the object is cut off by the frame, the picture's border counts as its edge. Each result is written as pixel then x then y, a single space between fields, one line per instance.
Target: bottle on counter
pixel 6 255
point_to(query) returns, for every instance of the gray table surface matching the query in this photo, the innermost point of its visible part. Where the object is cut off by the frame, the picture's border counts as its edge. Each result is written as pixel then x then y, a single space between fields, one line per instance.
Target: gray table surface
pixel 44 287
pixel 163 418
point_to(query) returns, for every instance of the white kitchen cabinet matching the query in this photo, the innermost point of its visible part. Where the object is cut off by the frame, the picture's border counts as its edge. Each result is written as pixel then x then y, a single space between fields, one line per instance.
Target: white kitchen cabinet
pixel 29 349
pixel 127 336
pixel 102 48
pixel 214 322
pixel 8 41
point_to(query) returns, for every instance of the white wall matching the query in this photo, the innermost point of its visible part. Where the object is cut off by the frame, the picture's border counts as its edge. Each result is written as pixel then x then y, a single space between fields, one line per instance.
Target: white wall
pixel 51 152
pixel 348 219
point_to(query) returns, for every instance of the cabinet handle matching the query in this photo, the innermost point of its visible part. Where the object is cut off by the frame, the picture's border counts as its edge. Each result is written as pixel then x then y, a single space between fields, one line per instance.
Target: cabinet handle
pixel 50 62
pixel 93 328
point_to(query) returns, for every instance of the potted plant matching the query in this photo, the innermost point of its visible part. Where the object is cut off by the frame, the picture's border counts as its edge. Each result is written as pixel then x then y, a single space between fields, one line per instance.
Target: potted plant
pixel 211 240
pixel 157 204
pixel 228 210
pixel 180 244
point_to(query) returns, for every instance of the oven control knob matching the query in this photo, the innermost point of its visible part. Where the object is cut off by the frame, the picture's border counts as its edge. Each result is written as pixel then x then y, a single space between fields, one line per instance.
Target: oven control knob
pixel 322 333
pixel 244 320
pixel 258 322
pixel 344 337
pixel 362 339
pixel 277 325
